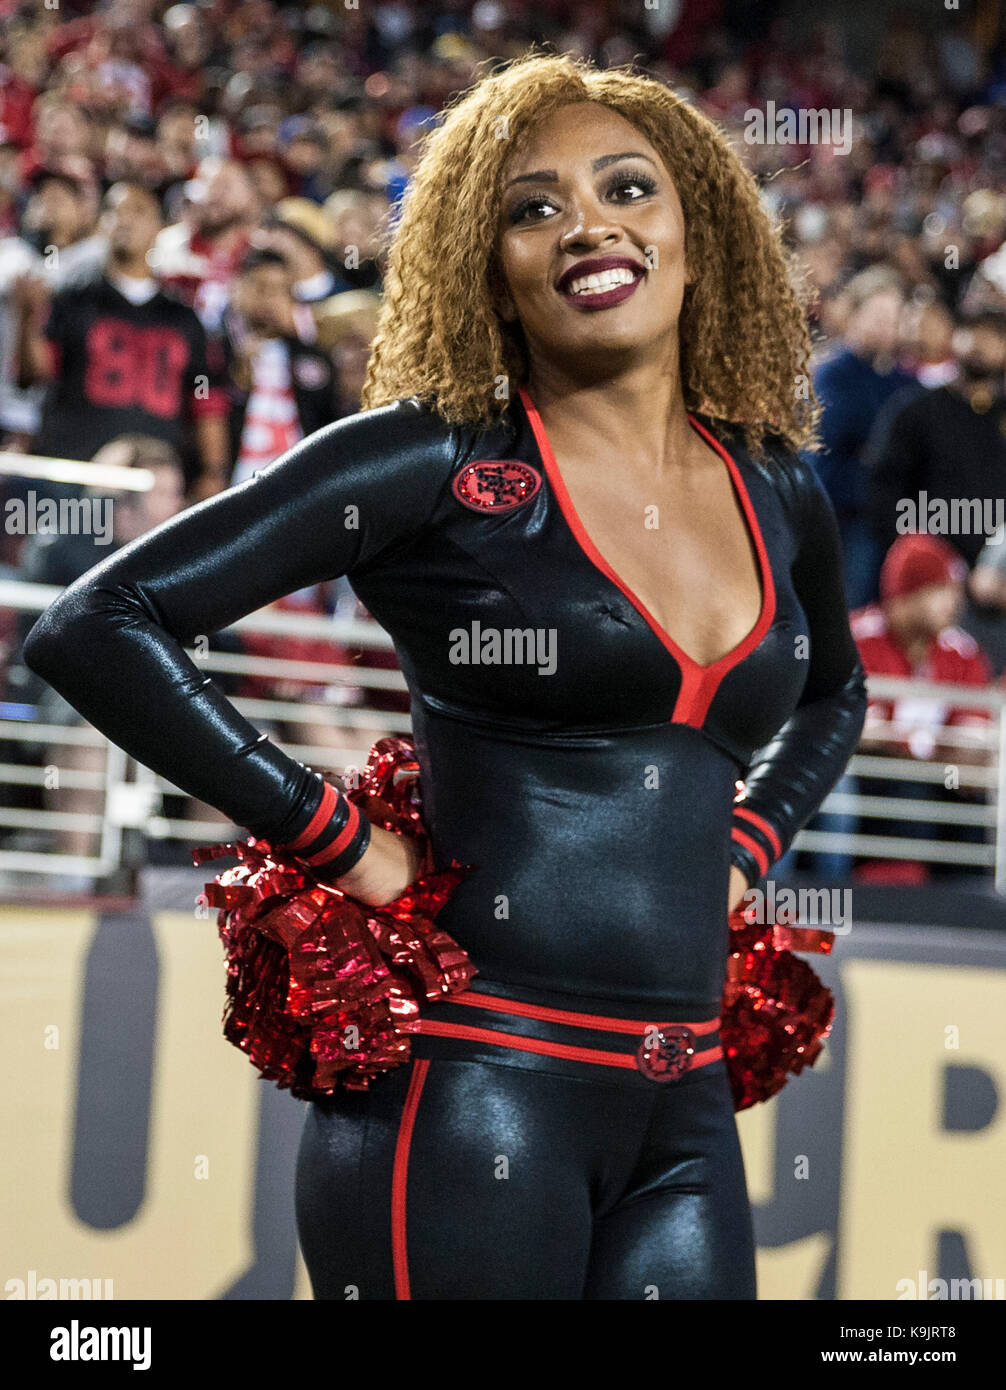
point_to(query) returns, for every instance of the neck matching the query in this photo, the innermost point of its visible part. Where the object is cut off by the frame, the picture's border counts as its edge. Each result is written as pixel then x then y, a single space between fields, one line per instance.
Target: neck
pixel 637 410
pixel 914 644
pixel 130 267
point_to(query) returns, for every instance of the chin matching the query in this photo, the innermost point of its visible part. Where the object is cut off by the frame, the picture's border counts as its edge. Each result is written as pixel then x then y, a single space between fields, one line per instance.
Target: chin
pixel 597 337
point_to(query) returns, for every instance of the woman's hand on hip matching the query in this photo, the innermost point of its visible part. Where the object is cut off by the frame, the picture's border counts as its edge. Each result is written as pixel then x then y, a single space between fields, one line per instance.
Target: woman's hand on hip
pixel 388 865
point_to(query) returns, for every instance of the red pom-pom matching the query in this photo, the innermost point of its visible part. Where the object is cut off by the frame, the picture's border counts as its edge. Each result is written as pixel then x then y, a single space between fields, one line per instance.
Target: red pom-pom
pixel 776 1012
pixel 323 990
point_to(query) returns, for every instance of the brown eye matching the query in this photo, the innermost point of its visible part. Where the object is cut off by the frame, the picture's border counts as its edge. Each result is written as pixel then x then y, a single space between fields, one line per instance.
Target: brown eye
pixel 528 206
pixel 639 181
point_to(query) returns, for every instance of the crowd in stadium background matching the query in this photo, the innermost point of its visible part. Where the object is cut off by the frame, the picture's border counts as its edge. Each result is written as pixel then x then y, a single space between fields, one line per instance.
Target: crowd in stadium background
pixel 248 157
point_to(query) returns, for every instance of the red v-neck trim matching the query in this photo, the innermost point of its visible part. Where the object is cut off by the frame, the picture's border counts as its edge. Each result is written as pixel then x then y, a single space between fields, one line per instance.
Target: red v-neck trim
pixel 698 683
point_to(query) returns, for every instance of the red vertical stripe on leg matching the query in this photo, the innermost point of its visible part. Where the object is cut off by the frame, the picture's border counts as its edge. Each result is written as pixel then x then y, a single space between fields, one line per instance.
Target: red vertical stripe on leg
pixel 400 1178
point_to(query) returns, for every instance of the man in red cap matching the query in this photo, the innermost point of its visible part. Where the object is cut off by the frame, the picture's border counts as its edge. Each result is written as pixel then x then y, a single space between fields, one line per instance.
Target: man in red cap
pixel 911 633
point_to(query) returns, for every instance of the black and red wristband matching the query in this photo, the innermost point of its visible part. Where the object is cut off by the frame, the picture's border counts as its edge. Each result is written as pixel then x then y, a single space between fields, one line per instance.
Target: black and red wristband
pixel 335 838
pixel 756 844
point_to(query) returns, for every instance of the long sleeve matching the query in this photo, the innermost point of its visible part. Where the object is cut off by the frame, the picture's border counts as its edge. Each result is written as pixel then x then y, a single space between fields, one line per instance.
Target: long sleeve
pixel 113 642
pixel 795 772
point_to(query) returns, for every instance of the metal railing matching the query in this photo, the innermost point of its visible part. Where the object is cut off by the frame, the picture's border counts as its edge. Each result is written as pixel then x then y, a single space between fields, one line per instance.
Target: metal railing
pixel 132 796
pixel 987 782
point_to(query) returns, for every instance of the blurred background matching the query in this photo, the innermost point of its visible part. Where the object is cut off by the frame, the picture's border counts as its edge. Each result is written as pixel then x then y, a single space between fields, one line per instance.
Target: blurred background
pixel 247 158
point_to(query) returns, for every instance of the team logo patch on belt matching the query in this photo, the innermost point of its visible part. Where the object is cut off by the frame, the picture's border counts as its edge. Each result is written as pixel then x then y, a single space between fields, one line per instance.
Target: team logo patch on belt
pixel 496 485
pixel 666 1054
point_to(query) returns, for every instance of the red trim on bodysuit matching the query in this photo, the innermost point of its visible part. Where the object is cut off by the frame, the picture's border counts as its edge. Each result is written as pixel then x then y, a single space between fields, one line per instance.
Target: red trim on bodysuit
pixel 598 1022
pixel 517 1042
pixel 400 1177
pixel 317 823
pixel 698 683
pixel 746 842
pixel 762 824
pixel 332 851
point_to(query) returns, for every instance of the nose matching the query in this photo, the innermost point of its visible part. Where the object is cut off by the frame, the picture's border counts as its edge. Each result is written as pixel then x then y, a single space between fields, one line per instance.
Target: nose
pixel 590 226
pixel 584 237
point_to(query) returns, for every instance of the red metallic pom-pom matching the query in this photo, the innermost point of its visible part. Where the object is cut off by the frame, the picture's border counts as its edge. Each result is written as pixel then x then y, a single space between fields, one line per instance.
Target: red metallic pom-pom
pixel 323 990
pixel 776 1012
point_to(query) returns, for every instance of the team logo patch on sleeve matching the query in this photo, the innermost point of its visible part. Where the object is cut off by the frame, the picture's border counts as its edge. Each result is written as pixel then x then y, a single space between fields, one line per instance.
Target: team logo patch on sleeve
pixel 496 485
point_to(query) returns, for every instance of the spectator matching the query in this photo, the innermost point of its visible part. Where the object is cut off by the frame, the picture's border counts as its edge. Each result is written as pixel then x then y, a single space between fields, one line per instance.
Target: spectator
pixel 305 151
pixel 176 148
pixel 189 42
pixel 59 221
pixel 268 176
pixel 122 356
pixel 59 560
pixel 358 219
pixel 946 446
pixel 283 388
pixel 347 324
pixel 19 407
pixel 63 131
pixel 928 334
pixel 911 634
pixel 58 246
pixel 852 386
pixel 199 255
pixel 132 154
pixel 306 238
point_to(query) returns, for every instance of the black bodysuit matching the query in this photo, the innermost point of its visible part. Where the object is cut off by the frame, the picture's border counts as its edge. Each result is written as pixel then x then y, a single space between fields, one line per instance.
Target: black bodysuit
pixel 573 753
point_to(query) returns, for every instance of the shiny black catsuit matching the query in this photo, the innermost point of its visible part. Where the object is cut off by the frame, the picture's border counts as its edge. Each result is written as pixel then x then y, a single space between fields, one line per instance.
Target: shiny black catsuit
pixel 595 793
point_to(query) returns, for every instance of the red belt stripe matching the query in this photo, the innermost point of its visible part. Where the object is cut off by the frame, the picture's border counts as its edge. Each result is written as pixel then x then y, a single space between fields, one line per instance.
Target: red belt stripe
pixel 595 1021
pixel 434 1028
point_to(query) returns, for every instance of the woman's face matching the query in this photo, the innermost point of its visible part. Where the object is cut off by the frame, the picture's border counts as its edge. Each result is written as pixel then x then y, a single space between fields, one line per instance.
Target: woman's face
pixel 592 240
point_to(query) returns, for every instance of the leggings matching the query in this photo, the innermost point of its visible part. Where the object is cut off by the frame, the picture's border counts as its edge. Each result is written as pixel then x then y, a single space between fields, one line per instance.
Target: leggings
pixel 478 1174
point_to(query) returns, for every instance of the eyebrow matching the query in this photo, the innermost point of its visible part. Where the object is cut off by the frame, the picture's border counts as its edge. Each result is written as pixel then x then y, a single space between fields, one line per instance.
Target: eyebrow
pixel 551 176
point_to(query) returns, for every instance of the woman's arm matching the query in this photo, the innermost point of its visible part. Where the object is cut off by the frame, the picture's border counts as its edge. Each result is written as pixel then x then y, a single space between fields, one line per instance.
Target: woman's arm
pixel 113 642
pixel 794 773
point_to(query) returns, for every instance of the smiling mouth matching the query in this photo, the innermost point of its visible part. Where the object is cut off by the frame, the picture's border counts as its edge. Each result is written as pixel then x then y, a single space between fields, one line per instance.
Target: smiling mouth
pixel 601 282
pixel 600 285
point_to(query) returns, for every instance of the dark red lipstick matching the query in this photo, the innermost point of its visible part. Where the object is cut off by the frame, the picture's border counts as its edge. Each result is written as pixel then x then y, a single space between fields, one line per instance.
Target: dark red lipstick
pixel 603 299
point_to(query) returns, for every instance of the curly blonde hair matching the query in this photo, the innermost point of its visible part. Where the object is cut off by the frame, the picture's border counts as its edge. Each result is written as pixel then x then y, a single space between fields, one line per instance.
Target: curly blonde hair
pixel 744 341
